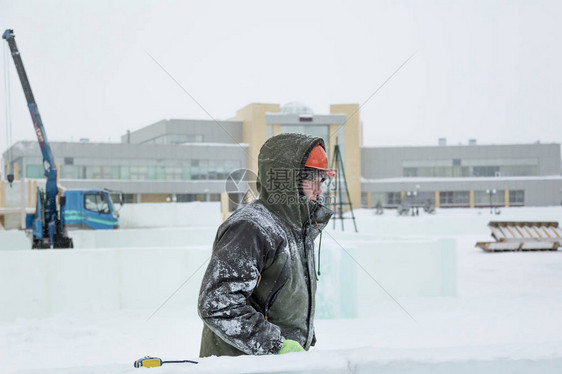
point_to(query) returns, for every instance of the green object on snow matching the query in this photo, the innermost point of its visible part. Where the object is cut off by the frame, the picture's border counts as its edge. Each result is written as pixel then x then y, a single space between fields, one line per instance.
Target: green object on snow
pixel 290 346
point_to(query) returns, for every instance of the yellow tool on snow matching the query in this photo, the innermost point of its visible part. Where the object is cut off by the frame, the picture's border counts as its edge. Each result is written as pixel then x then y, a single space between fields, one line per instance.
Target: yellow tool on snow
pixel 150 362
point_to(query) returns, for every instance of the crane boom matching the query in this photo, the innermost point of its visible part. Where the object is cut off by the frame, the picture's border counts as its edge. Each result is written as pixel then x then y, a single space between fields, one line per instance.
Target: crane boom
pixel 87 208
pixel 49 164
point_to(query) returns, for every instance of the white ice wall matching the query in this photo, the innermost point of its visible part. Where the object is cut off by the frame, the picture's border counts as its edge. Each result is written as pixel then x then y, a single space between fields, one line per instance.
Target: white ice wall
pixel 143 238
pixel 141 267
pixel 14 239
pixel 354 274
pixel 41 283
pixel 170 214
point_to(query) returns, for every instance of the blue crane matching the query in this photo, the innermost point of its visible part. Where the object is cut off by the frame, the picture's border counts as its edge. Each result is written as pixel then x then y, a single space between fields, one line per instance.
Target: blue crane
pixel 48 224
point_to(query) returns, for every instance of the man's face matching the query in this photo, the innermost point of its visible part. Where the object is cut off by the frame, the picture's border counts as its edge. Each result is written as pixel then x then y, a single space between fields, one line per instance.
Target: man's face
pixel 312 188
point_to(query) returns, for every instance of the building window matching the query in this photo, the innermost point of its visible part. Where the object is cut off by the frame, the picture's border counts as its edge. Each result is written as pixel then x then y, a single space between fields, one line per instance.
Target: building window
pixel 454 198
pixel 446 197
pixel 377 199
pixel 424 172
pixel 156 172
pixel 519 170
pixel 516 197
pixel 436 171
pixel 426 197
pixel 125 172
pixel 485 171
pixel 115 172
pixel 100 172
pixel 173 173
pixel 186 197
pixel 458 170
pixel 128 198
pixel 195 169
pixel 489 198
pixel 410 172
pixel 203 169
pixel 186 173
pixel 71 172
pixel 177 139
pixel 34 171
pixel 138 172
pixel 180 138
pixel 116 198
pixel 393 198
pixel 365 200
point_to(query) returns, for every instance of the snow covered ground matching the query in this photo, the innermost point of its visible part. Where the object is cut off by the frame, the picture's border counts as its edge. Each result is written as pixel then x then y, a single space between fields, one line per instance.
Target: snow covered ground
pixel 504 315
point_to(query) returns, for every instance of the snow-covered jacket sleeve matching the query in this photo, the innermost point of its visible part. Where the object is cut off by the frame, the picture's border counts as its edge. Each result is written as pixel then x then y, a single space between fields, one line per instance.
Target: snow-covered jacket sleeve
pixel 239 255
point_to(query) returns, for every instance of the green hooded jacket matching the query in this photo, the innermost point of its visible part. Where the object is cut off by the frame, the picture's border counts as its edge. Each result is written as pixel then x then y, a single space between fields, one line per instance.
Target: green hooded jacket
pixel 260 284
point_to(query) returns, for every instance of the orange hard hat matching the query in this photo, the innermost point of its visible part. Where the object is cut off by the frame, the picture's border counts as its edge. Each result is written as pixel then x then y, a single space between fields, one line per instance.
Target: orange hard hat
pixel 318 160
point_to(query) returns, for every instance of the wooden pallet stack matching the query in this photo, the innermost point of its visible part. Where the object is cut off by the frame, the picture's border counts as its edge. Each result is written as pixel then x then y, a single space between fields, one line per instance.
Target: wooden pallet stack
pixel 523 236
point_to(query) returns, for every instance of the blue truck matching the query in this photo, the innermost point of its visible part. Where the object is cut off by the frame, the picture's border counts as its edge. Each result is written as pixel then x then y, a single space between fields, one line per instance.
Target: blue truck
pixel 82 209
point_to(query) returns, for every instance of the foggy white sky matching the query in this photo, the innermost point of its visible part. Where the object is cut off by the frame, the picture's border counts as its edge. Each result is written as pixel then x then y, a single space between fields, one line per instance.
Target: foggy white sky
pixel 490 70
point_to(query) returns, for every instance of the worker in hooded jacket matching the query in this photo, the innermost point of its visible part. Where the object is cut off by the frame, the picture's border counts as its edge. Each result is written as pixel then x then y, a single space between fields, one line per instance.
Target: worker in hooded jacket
pixel 258 292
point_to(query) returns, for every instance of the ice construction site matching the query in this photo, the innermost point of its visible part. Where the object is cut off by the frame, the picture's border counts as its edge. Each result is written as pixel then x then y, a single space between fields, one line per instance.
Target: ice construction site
pixel 404 295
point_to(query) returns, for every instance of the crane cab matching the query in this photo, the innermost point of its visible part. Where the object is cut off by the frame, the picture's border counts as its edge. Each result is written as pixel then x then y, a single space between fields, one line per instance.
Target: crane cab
pixel 88 209
pixel 79 209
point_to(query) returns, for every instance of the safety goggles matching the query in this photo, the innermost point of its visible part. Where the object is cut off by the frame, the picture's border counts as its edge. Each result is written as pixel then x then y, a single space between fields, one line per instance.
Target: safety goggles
pixel 313 174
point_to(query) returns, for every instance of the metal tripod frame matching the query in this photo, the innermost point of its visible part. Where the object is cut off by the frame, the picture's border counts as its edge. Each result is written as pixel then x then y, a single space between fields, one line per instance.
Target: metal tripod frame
pixel 337 204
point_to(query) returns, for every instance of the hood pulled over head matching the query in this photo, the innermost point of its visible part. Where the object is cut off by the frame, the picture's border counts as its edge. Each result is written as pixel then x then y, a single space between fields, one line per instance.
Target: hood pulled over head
pixel 281 161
